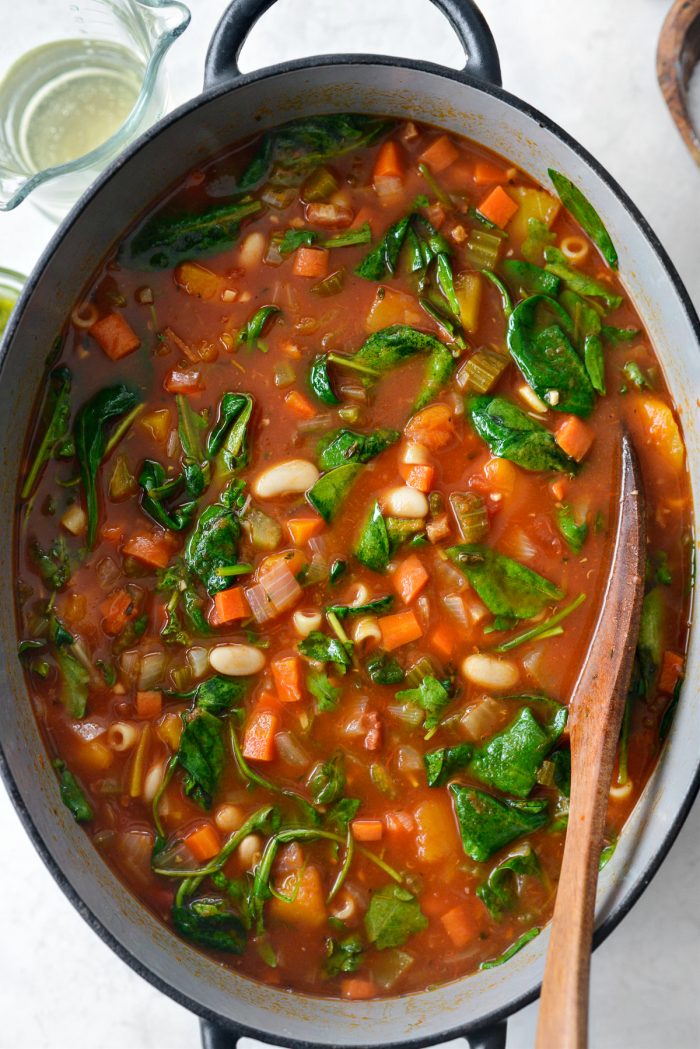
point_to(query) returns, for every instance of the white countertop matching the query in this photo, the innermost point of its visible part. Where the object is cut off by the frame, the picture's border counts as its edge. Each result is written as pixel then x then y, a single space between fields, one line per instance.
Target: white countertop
pixel 589 66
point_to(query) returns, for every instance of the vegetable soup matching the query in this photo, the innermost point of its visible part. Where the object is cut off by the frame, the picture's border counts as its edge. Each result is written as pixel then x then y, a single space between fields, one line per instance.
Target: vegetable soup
pixel 312 530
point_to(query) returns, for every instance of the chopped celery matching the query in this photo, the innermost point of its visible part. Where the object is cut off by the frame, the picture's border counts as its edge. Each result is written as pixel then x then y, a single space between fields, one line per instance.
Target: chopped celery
pixel 471 516
pixel 482 371
pixel 319 186
pixel 330 285
pixel 483 248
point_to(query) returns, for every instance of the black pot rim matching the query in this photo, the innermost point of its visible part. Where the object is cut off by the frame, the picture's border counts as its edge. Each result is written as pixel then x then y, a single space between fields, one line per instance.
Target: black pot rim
pixel 299 65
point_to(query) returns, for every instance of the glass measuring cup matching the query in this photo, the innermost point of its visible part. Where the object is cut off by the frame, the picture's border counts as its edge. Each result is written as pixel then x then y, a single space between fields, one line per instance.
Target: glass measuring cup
pixel 79 79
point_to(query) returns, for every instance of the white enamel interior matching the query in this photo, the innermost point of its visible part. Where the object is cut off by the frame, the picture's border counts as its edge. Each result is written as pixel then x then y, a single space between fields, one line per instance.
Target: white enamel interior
pixel 188 140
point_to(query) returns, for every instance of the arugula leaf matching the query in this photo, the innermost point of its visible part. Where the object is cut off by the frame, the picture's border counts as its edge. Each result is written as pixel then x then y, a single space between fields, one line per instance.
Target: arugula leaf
pixel 507 588
pixel 575 534
pixel 320 382
pixel 373 548
pixel 75 680
pixel 579 282
pixel 252 330
pixel 326 781
pixel 330 490
pixel 382 260
pixel 325 694
pixel 212 922
pixel 202 755
pixel 90 436
pixel 431 696
pixel 386 349
pixel 344 956
pixel 228 436
pixel 498 893
pixel 512 950
pixel 166 239
pixel 585 214
pixel 213 544
pixel 441 764
pixel 383 669
pixel 375 607
pixel 296 238
pixel 53 565
pixel 347 446
pixel 530 279
pixel 53 426
pixel 324 649
pixel 546 358
pixel 72 794
pixel 487 823
pixel 513 435
pixel 393 915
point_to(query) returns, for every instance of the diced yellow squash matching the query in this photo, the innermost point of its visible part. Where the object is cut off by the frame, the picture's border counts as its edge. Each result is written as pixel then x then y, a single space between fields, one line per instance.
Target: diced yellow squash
pixel 93 756
pixel 393 307
pixel 306 907
pixel 199 281
pixel 534 204
pixel 436 836
pixel 653 423
pixel 468 288
pixel 157 424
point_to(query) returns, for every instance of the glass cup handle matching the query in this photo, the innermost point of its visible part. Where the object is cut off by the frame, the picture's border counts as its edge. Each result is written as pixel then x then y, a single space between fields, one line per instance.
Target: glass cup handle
pixel 241 15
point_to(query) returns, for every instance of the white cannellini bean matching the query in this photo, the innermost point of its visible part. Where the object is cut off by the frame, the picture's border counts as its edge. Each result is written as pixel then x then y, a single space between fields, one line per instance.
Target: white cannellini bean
pixel 251 250
pixel 414 454
pixel 236 660
pixel 405 502
pixel 229 817
pixel 152 780
pixel 361 596
pixel 490 672
pixel 366 629
pixel 288 478
pixel 74 520
pixel 122 735
pixel 250 851
pixel 305 621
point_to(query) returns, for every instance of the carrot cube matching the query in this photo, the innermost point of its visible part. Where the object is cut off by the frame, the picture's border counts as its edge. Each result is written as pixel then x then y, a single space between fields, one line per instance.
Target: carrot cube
pixel 440 154
pixel 459 925
pixel 259 736
pixel 442 640
pixel 301 529
pixel 115 335
pixel 498 207
pixel 230 605
pixel 286 674
pixel 432 427
pixel 310 262
pixel 574 437
pixel 418 475
pixel 389 162
pixel 150 549
pixel 357 988
pixel 117 610
pixel 485 173
pixel 300 405
pixel 399 629
pixel 367 830
pixel 179 380
pixel 671 671
pixel 204 842
pixel 409 579
pixel 149 704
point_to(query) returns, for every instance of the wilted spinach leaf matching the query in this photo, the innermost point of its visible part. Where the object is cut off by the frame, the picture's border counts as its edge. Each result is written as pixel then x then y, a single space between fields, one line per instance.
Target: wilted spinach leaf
pixel 431 696
pixel 499 891
pixel 387 349
pixel 53 426
pixel 575 534
pixel 212 922
pixel 202 756
pixel 375 607
pixel 487 823
pixel 324 649
pixel 511 434
pixel 347 446
pixel 507 588
pixel 228 436
pixel 166 239
pixel 327 780
pixel 328 493
pixel 53 564
pixel 344 956
pixel 75 680
pixel 213 544
pixel 72 794
pixel 373 548
pixel 393 915
pixel 383 669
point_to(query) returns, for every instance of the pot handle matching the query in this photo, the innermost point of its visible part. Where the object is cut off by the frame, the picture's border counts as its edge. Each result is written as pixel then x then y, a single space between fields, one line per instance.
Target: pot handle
pixel 215 1037
pixel 241 15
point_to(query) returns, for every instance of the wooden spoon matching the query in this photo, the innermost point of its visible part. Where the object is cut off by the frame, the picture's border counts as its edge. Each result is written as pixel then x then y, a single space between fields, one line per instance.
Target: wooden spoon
pixel 676 57
pixel 596 707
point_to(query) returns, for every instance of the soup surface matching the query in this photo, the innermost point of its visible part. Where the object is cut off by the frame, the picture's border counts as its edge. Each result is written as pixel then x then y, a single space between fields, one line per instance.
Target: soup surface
pixel 311 534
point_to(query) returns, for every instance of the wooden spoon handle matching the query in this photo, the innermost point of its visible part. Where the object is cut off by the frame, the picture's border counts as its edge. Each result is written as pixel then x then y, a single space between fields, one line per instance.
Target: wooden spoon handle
pixel 597 706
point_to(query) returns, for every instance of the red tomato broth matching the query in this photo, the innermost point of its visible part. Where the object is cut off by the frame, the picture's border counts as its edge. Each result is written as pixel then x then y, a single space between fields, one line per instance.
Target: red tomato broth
pixel 181 332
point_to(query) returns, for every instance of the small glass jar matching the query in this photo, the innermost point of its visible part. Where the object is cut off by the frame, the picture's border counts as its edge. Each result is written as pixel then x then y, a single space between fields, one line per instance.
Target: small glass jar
pixel 11 284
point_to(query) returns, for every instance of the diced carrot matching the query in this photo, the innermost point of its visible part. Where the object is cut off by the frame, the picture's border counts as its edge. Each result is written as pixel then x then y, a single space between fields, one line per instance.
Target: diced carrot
pixel 115 335
pixel 399 629
pixel 155 550
pixel 409 578
pixel 286 674
pixel 671 671
pixel 389 162
pixel 300 405
pixel 357 988
pixel 442 640
pixel 75 608
pixel 367 830
pixel 498 207
pixel 485 173
pixel 440 154
pixel 310 262
pixel 574 437
pixel 305 905
pixel 198 280
pixel 417 475
pixel 259 736
pixel 460 926
pixel 501 474
pixel 112 533
pixel 149 704
pixel 230 605
pixel 301 529
pixel 117 610
pixel 183 381
pixel 204 842
pixel 431 427
pixel 558 489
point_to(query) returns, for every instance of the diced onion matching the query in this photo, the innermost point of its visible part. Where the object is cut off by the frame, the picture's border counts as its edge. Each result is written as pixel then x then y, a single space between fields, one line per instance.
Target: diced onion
pixel 130 663
pixel 534 664
pixel 134 851
pixel 357 725
pixel 406 712
pixel 107 571
pixel 290 750
pixel 177 856
pixel 482 720
pixel 151 670
pixel 521 546
pixel 198 659
pixel 408 759
pixel 74 520
pixel 455 605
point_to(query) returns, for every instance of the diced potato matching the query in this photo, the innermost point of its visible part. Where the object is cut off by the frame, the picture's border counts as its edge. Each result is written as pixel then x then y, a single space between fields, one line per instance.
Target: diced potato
pixel 307 907
pixel 468 288
pixel 653 423
pixel 436 836
pixel 157 424
pixel 93 756
pixel 198 280
pixel 534 204
pixel 392 307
